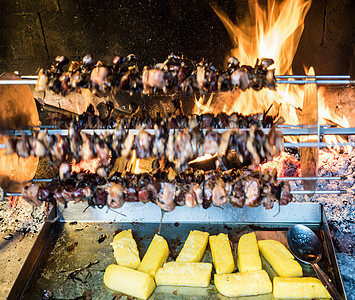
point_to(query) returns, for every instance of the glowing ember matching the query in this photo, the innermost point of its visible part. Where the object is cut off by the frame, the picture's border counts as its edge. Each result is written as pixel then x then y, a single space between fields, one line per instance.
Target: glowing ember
pixel 200 107
pixel 13 200
pixel 138 165
pixel 89 165
pixel 204 157
pixel 287 165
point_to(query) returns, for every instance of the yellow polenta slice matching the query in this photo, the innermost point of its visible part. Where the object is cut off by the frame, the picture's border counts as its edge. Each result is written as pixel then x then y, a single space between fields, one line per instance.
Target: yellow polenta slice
pixel 300 287
pixel 184 273
pixel 248 253
pixel 222 253
pixel 281 260
pixel 243 284
pixel 129 281
pixel 155 257
pixel 194 247
pixel 125 250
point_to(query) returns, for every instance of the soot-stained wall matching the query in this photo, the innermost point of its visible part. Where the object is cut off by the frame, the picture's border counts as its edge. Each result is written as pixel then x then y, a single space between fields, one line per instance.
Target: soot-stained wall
pixel 32 33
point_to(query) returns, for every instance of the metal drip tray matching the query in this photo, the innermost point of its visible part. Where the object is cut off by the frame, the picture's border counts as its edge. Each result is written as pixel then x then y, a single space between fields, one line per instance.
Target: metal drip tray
pixel 74 258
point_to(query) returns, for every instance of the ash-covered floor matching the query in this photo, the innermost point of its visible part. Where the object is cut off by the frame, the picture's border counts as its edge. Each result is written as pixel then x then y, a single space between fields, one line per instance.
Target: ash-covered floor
pixel 19 227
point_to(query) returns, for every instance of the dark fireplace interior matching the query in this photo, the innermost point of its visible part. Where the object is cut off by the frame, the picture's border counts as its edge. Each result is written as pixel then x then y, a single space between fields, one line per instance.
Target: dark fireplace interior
pixel 32 34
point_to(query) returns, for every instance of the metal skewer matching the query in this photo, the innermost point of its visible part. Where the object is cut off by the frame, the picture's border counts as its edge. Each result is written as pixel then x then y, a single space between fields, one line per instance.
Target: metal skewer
pixel 276 76
pixel 311 178
pixel 18 82
pixel 5 194
pixel 278 178
pixel 29 76
pixel 312 76
pixel 298 130
pixel 315 144
pixel 286 131
pixel 41 180
pixel 317 192
pixel 297 81
pixel 319 82
pixel 299 126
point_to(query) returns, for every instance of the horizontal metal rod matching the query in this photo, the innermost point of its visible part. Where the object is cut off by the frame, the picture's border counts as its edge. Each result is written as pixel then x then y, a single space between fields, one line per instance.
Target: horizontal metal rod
pixel 33 76
pixel 43 126
pixel 315 144
pixel 300 126
pixel 311 178
pixel 41 180
pixel 12 194
pixel 18 82
pixel 64 132
pixel 292 145
pixel 5 194
pixel 31 127
pixel 278 178
pixel 317 192
pixel 337 131
pixel 276 76
pixel 320 82
pixel 314 131
pixel 286 131
pixel 312 76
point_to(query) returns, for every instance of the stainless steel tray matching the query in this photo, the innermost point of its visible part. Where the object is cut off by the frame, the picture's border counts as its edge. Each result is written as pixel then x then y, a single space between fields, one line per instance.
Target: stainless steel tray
pixel 73 243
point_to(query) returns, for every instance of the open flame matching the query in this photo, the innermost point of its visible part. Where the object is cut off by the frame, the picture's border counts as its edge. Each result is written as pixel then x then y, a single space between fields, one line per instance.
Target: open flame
pixel 139 165
pixel 86 166
pixel 274 33
pixel 327 116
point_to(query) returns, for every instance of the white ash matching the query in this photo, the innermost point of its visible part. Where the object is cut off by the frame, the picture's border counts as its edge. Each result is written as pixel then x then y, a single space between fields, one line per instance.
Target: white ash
pixel 21 218
pixel 339 208
pixel 346 265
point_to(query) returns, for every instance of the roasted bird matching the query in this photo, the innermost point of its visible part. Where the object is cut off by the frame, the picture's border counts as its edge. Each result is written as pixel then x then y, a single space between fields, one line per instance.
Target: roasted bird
pixel 179 146
pixel 175 74
pixel 190 188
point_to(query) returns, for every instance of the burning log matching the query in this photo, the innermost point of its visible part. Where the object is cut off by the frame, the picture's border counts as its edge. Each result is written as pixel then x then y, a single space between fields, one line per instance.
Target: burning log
pixel 309 156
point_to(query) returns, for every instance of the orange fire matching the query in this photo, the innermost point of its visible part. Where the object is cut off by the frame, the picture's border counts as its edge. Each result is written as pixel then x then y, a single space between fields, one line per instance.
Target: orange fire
pixel 326 116
pixel 274 33
pixel 90 166
pixel 285 164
